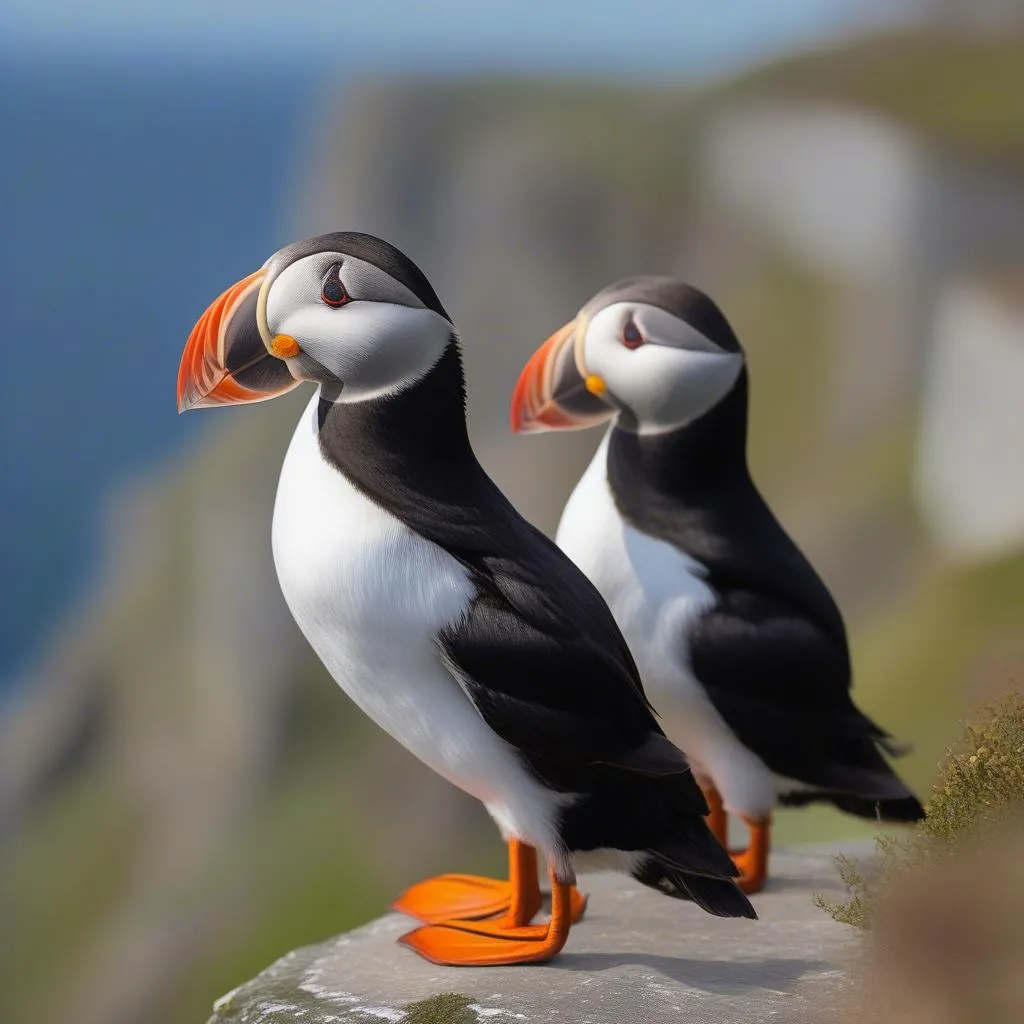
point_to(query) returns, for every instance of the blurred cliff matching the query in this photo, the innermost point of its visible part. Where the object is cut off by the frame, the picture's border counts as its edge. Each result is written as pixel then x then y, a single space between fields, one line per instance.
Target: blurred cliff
pixel 184 795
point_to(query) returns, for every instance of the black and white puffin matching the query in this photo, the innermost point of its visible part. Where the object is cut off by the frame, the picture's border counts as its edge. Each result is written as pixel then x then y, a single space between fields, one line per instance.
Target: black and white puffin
pixel 455 625
pixel 736 637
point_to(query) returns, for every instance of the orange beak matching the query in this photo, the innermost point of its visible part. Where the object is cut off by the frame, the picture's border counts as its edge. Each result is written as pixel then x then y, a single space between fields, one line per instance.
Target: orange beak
pixel 552 393
pixel 225 359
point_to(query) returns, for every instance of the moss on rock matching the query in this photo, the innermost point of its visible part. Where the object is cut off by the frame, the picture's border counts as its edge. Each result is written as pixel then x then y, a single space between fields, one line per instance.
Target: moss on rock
pixel 444 1008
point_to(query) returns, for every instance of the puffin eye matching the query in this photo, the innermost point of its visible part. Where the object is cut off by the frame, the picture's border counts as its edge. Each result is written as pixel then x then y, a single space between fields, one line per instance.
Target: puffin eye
pixel 631 336
pixel 332 291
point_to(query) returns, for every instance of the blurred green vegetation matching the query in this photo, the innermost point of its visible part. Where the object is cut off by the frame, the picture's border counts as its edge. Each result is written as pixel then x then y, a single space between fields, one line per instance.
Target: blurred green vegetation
pixel 64 869
pixel 978 795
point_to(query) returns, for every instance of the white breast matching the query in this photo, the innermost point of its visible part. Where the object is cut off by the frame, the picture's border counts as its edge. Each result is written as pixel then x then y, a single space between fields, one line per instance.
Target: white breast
pixel 371 596
pixel 656 592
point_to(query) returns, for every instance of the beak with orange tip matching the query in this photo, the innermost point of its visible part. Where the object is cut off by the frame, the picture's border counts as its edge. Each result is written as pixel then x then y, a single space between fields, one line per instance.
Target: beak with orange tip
pixel 554 392
pixel 226 359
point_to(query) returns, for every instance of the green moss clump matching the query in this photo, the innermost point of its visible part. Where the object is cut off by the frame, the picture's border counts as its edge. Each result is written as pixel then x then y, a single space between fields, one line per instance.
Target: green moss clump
pixel 980 786
pixel 445 1008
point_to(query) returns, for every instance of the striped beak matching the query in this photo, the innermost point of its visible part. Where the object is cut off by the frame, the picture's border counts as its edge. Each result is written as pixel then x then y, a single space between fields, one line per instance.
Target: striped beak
pixel 554 393
pixel 226 360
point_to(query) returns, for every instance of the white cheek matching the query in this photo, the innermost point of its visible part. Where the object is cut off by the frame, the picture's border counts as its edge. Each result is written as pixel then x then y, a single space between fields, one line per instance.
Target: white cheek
pixel 703 381
pixel 373 348
pixel 662 386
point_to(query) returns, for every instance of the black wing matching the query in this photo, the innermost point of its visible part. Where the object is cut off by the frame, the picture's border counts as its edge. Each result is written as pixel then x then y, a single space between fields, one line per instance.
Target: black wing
pixel 774 659
pixel 782 685
pixel 542 659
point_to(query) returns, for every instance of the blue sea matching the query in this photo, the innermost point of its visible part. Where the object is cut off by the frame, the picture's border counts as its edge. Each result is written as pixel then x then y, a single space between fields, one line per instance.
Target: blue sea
pixel 133 192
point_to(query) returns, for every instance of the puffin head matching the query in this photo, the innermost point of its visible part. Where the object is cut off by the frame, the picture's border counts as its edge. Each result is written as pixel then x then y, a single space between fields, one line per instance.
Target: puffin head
pixel 651 351
pixel 345 309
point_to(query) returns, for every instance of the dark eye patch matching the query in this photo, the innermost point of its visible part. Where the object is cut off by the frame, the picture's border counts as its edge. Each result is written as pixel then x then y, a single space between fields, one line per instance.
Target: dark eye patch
pixel 631 336
pixel 332 291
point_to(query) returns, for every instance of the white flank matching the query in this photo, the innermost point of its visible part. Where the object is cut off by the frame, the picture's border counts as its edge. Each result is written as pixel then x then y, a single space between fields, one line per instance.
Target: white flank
pixel 371 596
pixel 655 592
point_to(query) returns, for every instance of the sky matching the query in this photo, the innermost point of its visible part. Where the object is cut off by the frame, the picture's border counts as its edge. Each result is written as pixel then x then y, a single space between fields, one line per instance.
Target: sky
pixel 596 35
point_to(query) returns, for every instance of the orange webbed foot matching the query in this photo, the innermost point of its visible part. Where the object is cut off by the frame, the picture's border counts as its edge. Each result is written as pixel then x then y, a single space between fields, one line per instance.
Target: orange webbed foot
pixel 484 943
pixel 461 898
pixel 474 898
pixel 460 945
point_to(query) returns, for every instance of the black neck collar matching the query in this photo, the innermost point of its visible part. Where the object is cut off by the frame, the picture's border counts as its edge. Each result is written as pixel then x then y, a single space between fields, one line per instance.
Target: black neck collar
pixel 405 438
pixel 691 488
pixel 410 454
pixel 688 463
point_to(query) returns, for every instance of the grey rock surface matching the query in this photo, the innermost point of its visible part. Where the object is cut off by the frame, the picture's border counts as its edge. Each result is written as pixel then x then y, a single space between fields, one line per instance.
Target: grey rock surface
pixel 635 958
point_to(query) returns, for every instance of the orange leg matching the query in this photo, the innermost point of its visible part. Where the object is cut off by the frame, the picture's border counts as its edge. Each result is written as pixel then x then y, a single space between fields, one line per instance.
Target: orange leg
pixel 470 944
pixel 472 897
pixel 753 861
pixel 716 818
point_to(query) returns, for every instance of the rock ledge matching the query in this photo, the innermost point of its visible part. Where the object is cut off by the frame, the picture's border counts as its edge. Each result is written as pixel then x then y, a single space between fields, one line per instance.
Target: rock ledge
pixel 636 958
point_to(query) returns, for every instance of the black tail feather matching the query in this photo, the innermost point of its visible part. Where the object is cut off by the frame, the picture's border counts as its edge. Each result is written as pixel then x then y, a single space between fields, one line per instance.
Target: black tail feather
pixel 892 809
pixel 661 819
pixel 695 851
pixel 719 896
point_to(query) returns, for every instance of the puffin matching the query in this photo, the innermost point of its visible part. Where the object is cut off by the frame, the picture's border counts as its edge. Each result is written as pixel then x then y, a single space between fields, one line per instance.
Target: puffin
pixel 455 625
pixel 738 641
